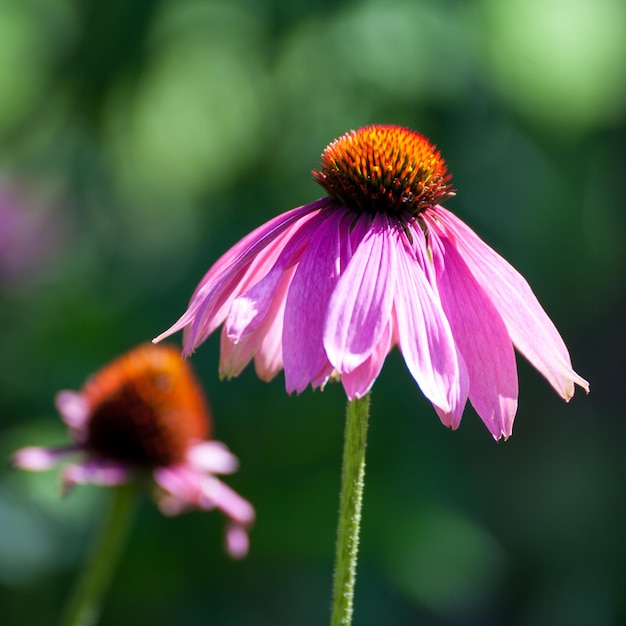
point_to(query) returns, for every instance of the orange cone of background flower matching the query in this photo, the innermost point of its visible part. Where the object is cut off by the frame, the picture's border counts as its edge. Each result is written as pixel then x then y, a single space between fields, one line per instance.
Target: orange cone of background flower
pixel 329 288
pixel 145 411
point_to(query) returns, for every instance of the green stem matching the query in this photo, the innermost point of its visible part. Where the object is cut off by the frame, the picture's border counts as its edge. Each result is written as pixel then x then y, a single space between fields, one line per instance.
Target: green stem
pixel 352 483
pixel 85 603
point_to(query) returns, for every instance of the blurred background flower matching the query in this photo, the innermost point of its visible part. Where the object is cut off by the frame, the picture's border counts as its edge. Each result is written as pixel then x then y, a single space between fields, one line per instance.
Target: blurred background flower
pixel 170 129
pixel 31 235
pixel 143 415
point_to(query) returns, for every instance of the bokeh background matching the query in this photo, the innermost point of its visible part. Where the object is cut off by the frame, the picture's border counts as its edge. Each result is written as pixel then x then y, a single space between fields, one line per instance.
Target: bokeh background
pixel 139 139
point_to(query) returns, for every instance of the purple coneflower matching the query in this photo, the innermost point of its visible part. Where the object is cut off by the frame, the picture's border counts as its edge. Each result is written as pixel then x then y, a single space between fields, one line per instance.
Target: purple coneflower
pixel 31 234
pixel 329 288
pixel 145 411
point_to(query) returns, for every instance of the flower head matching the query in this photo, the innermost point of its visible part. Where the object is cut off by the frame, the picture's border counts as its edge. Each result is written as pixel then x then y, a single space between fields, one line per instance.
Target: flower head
pixel 329 288
pixel 384 169
pixel 146 412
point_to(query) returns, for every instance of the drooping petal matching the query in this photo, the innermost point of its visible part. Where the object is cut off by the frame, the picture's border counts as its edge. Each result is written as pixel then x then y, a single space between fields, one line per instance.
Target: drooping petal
pixel 260 237
pixel 322 377
pixel 360 305
pixel 424 255
pixel 187 487
pixel 359 381
pixel 304 357
pixel 102 472
pixel 237 542
pixel 358 229
pixel 181 487
pixel 211 299
pixel 234 356
pixel 36 459
pixel 219 495
pixel 482 338
pixel 73 408
pixel 212 456
pixel 250 309
pixel 255 312
pixel 215 305
pixel 244 343
pixel 528 325
pixel 268 360
pixel 424 334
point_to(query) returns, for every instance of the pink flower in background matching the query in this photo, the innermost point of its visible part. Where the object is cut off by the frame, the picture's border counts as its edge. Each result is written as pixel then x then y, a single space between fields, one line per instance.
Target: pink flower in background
pixel 30 233
pixel 145 412
pixel 328 289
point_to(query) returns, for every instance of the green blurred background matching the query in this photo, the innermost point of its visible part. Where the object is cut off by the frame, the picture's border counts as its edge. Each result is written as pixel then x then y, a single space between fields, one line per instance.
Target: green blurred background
pixel 139 139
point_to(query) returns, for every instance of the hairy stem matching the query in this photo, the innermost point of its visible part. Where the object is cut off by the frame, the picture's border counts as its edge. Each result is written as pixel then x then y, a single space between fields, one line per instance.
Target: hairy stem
pixel 351 502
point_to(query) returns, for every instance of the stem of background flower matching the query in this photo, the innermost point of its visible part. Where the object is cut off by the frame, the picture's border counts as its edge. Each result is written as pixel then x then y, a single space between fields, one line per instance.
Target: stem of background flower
pixel 352 483
pixel 84 606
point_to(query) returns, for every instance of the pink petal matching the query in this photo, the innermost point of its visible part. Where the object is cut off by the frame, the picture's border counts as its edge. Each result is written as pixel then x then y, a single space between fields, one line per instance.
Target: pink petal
pixel 358 229
pixel 322 377
pixel 260 309
pixel 37 459
pixel 104 473
pixel 213 306
pixel 424 335
pixel 182 487
pixel 212 456
pixel 269 358
pixel 304 357
pixel 248 310
pixel 424 254
pixel 264 234
pixel 73 408
pixel 360 306
pixel 211 296
pixel 234 356
pixel 359 381
pixel 189 487
pixel 528 325
pixel 264 342
pixel 237 542
pixel 482 338
pixel 217 494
